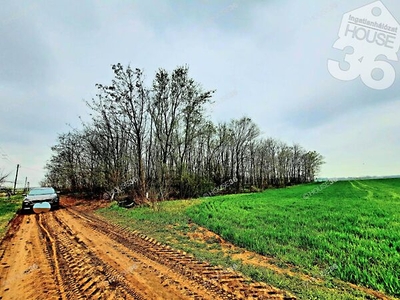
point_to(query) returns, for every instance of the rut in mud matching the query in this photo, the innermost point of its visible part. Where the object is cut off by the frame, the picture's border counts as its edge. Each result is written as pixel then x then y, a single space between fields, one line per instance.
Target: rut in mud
pixel 72 254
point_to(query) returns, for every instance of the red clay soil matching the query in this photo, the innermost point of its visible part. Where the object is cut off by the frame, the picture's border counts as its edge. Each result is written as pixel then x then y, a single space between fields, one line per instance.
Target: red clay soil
pixel 72 254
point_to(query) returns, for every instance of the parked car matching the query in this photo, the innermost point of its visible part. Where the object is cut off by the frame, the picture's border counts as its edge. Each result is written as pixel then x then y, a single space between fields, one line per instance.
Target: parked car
pixel 41 195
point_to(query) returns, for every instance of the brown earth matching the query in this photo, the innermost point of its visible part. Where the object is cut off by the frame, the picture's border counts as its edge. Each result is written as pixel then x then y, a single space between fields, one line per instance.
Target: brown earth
pixel 72 254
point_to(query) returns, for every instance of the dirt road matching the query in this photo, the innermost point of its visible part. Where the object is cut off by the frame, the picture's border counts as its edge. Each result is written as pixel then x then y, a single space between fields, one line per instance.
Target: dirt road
pixel 72 254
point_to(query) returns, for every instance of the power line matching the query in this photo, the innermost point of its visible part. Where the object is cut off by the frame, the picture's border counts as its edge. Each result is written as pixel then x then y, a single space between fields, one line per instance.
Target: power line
pixel 33 169
pixel 5 156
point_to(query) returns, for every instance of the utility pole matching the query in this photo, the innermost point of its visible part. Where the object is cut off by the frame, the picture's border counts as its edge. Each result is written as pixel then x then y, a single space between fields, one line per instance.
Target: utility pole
pixel 26 179
pixel 16 177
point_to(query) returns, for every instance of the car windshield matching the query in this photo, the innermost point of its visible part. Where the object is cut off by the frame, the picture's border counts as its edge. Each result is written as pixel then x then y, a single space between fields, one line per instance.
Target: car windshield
pixel 44 191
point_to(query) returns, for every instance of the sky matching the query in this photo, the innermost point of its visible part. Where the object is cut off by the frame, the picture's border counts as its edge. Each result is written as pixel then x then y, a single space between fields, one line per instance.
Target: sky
pixel 267 60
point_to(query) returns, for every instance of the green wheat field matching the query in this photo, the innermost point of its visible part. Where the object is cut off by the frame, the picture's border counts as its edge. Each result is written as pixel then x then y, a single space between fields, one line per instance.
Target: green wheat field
pixel 348 232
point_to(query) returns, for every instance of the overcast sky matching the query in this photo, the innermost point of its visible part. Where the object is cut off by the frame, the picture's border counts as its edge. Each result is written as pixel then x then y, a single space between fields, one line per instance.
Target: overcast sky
pixel 266 59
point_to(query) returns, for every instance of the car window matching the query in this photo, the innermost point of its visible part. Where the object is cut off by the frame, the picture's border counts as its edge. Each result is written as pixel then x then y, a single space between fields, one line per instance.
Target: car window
pixel 36 192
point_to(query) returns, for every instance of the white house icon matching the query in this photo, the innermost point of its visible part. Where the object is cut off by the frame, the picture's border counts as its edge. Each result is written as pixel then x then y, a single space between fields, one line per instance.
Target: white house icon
pixel 373 28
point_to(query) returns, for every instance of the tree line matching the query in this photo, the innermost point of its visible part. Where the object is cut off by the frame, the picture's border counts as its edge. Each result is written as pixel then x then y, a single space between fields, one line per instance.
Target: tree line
pixel 161 137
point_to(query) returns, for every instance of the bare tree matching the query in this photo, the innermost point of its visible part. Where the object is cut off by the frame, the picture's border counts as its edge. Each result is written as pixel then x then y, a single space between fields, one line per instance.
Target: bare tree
pixel 163 137
pixel 244 132
pixel 128 103
pixel 3 177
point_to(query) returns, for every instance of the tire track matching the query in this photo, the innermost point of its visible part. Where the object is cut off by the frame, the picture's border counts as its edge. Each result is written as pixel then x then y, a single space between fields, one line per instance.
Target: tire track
pixel 51 247
pixel 225 284
pixel 73 254
pixel 26 270
pixel 80 274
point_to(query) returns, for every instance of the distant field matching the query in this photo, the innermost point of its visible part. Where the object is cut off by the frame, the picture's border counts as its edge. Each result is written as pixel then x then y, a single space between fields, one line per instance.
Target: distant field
pixel 8 208
pixel 350 230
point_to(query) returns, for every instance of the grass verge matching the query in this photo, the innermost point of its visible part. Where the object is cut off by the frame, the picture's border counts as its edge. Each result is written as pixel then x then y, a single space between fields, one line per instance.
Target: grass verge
pixel 8 209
